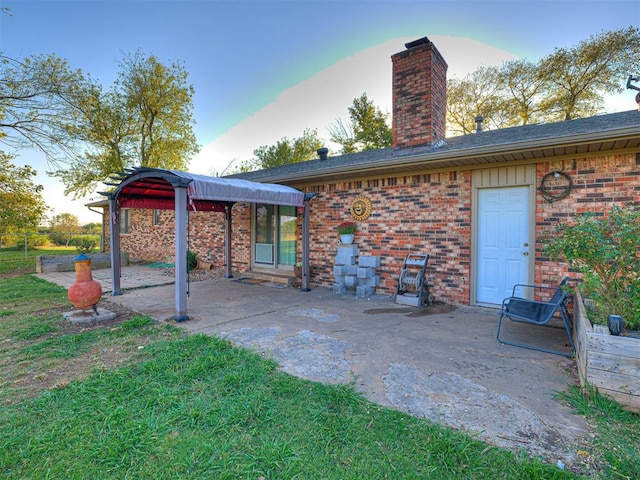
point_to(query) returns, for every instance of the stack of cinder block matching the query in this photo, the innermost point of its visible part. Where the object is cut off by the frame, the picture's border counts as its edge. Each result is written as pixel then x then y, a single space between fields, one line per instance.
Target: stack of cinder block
pixel 353 277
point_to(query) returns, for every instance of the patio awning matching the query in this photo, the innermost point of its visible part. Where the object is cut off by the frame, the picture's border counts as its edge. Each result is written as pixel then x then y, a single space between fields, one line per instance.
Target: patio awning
pixel 154 188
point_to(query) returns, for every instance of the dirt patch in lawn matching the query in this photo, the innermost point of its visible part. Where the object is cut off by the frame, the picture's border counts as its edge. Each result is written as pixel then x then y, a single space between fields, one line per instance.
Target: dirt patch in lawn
pixel 27 376
pixel 11 274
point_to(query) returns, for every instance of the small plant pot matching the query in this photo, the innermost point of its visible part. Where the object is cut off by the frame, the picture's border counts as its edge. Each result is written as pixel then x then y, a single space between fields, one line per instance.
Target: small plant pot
pixel 297 271
pixel 204 265
pixel 347 238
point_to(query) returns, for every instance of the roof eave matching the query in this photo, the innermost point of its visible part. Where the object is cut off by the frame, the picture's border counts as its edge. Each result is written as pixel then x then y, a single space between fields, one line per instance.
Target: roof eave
pixel 98 203
pixel 448 158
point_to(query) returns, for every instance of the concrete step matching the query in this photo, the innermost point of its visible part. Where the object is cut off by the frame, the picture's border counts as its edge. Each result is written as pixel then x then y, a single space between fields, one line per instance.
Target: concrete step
pixel 273 276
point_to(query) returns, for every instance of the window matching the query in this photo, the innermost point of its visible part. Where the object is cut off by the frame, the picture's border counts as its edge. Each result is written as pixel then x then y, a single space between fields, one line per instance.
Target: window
pixel 125 224
pixel 156 217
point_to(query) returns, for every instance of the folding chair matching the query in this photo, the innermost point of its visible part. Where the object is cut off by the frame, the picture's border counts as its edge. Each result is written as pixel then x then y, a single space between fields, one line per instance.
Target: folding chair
pixel 535 312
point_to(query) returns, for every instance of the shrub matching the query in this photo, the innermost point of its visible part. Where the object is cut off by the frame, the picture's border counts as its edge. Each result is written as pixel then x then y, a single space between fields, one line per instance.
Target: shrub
pixel 33 241
pixel 9 240
pixel 83 241
pixel 86 245
pixel 192 261
pixel 60 239
pixel 606 251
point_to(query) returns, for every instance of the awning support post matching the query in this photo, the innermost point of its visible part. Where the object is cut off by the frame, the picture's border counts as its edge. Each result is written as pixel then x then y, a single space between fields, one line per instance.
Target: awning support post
pixel 227 239
pixel 181 252
pixel 114 246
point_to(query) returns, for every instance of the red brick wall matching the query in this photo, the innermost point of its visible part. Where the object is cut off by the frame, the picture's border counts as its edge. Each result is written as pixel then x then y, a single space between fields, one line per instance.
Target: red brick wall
pixel 598 184
pixel 156 243
pixel 428 213
pixel 411 214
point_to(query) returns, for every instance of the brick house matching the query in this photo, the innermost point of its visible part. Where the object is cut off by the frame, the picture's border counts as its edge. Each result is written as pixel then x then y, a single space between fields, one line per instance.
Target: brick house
pixel 476 204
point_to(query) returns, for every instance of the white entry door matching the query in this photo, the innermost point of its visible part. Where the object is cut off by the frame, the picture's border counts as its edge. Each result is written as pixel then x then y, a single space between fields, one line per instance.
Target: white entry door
pixel 502 242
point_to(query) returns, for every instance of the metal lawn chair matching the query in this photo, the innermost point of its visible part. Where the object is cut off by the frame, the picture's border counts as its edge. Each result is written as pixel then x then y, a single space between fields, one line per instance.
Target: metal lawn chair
pixel 536 312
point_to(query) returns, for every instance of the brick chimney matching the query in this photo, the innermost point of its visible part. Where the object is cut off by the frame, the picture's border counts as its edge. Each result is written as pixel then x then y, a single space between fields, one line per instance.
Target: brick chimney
pixel 419 94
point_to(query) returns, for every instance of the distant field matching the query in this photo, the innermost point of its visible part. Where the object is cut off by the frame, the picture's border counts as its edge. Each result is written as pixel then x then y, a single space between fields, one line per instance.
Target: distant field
pixel 16 261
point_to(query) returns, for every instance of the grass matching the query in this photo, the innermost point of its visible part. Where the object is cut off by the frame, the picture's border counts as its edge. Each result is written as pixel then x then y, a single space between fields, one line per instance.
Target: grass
pixel 38 350
pixel 143 400
pixel 199 408
pixel 616 447
pixel 15 261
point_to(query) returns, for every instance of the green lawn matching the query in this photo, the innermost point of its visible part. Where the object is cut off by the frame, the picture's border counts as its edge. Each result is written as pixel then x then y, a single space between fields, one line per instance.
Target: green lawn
pixel 141 400
pixel 13 261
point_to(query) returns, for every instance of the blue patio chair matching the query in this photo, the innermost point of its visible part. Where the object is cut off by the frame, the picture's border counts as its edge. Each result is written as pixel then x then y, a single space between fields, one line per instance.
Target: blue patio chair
pixel 535 312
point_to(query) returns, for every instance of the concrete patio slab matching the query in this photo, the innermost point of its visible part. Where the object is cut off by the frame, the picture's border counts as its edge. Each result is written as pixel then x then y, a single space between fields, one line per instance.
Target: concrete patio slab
pixel 133 276
pixel 444 366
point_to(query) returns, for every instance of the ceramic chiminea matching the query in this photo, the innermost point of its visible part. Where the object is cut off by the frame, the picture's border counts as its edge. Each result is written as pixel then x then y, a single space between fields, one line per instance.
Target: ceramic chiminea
pixel 85 292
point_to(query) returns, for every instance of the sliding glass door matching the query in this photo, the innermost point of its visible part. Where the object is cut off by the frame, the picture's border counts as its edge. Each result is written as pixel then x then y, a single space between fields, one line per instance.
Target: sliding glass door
pixel 274 240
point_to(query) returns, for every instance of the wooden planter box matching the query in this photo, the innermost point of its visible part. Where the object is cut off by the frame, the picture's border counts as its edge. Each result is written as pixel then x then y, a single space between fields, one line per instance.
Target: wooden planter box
pixel 65 263
pixel 607 362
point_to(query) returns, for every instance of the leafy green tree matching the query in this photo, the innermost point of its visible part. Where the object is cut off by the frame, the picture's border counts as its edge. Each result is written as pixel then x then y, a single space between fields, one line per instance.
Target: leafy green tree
pixel 524 91
pixel 21 204
pixel 580 75
pixel 367 129
pixel 163 102
pixel 370 126
pixel 145 119
pixel 92 228
pixel 284 152
pixel 569 83
pixel 63 227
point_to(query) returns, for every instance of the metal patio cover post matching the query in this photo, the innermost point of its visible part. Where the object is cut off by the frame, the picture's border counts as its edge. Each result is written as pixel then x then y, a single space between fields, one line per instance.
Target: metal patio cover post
pixel 114 243
pixel 180 270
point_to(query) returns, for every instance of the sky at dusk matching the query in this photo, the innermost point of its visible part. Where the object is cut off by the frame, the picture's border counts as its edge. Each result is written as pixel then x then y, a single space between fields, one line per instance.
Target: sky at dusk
pixel 263 70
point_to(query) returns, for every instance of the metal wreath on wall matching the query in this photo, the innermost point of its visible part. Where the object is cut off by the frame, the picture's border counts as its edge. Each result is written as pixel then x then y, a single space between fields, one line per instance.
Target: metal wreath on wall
pixel 360 208
pixel 555 186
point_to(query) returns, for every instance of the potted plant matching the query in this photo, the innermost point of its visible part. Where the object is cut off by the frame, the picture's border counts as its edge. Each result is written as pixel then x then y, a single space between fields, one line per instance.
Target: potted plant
pixel 347 231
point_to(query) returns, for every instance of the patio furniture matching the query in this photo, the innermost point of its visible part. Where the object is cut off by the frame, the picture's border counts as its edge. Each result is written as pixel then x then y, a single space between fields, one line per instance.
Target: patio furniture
pixel 520 309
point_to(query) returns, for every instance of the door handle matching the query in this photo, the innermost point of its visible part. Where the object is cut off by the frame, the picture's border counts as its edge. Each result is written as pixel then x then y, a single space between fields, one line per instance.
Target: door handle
pixel 526 254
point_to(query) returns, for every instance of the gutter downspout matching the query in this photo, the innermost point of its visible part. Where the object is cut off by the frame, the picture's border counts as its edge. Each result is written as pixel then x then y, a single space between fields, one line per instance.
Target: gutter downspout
pixel 102 223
